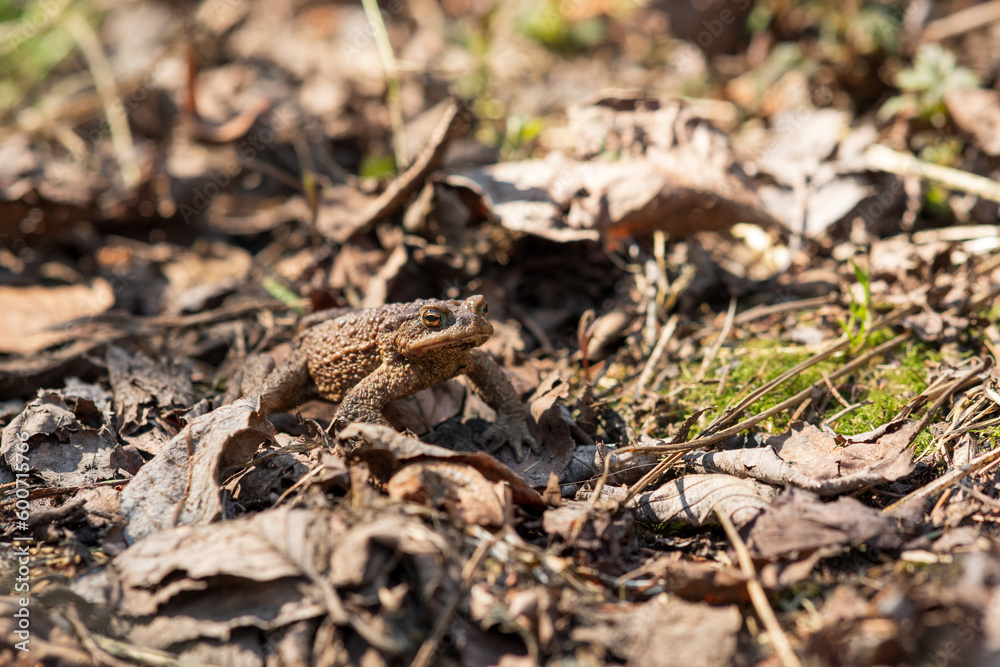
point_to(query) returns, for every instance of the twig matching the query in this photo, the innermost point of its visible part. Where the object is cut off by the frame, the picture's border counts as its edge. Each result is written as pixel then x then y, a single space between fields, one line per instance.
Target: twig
pixel 903 164
pixel 392 86
pixel 757 595
pixel 948 478
pixel 833 390
pixel 107 88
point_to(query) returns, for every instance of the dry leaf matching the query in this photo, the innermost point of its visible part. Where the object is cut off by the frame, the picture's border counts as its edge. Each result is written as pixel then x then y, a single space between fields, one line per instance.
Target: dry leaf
pixel 69 441
pixel 458 489
pixel 692 499
pixel 639 634
pixel 810 459
pixel 798 523
pixel 182 484
pixel 29 313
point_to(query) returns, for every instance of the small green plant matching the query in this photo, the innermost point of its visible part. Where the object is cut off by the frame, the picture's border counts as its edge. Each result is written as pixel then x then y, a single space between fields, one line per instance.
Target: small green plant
pixel 547 24
pixel 377 166
pixel 934 73
pixel 860 311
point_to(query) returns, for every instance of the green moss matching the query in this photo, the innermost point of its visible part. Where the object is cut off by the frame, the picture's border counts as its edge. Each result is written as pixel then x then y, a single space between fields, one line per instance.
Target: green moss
pixel 884 387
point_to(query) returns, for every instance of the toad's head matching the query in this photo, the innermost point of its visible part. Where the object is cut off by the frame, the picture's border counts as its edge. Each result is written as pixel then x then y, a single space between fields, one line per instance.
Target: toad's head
pixel 443 325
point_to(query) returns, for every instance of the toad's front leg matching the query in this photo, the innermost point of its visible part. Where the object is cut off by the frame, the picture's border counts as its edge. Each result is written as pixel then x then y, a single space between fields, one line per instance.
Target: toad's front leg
pixel 510 426
pixel 365 401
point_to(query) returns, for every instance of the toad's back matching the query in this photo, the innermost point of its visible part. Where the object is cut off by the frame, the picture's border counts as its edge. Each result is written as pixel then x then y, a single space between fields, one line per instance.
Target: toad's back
pixel 342 352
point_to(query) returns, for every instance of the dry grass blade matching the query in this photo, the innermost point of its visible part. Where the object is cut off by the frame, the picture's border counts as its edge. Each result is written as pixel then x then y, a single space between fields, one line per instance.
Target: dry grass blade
pixel 388 58
pixel 757 595
pixel 717 345
pixel 104 79
pixel 654 358
pixel 902 164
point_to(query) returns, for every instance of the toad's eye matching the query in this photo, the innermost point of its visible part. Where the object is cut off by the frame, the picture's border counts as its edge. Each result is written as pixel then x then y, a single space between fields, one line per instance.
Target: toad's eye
pixel 483 309
pixel 431 318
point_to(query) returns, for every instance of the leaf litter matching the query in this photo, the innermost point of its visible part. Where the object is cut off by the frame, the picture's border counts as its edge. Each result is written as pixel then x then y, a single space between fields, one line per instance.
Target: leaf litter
pixel 756 346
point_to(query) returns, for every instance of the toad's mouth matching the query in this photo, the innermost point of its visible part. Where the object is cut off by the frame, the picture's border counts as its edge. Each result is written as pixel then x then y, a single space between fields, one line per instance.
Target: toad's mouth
pixel 448 343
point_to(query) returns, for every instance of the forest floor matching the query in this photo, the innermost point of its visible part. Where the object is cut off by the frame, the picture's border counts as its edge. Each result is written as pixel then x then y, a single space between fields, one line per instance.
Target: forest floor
pixel 741 261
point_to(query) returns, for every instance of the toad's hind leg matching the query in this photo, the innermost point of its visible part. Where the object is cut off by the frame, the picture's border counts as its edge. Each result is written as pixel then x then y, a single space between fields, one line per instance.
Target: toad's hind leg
pixel 285 387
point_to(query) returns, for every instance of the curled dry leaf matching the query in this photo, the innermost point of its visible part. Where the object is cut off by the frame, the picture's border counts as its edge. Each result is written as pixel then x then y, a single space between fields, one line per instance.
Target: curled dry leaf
pixel 810 459
pixel 205 582
pixel 692 499
pixel 69 441
pixel 405 448
pixel 458 489
pixel 182 484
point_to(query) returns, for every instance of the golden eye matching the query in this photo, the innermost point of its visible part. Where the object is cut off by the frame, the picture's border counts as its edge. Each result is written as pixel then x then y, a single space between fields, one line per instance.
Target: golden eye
pixel 484 309
pixel 431 318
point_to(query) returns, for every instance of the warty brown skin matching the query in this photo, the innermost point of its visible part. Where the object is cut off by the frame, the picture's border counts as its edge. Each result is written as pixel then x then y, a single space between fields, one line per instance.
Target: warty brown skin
pixel 367 358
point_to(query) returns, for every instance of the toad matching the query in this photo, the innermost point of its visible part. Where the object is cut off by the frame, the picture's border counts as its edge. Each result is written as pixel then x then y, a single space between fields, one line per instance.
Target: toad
pixel 367 358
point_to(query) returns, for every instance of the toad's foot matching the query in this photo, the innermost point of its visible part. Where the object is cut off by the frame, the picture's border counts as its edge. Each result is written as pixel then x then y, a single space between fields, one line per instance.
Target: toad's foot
pixel 509 430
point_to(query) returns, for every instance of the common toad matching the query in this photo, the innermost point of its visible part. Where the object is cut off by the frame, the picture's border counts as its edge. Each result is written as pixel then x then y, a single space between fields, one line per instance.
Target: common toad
pixel 367 358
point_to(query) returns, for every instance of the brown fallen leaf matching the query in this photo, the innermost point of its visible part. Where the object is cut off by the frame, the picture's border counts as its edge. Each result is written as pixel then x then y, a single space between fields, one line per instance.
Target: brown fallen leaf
pixel 31 312
pixel 460 490
pixel 691 579
pixel 389 448
pixel 692 499
pixel 976 111
pixel 601 540
pixel 140 383
pixel 68 441
pixel 182 484
pixel 201 583
pixel 798 523
pixel 639 634
pixel 673 171
pixel 810 459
